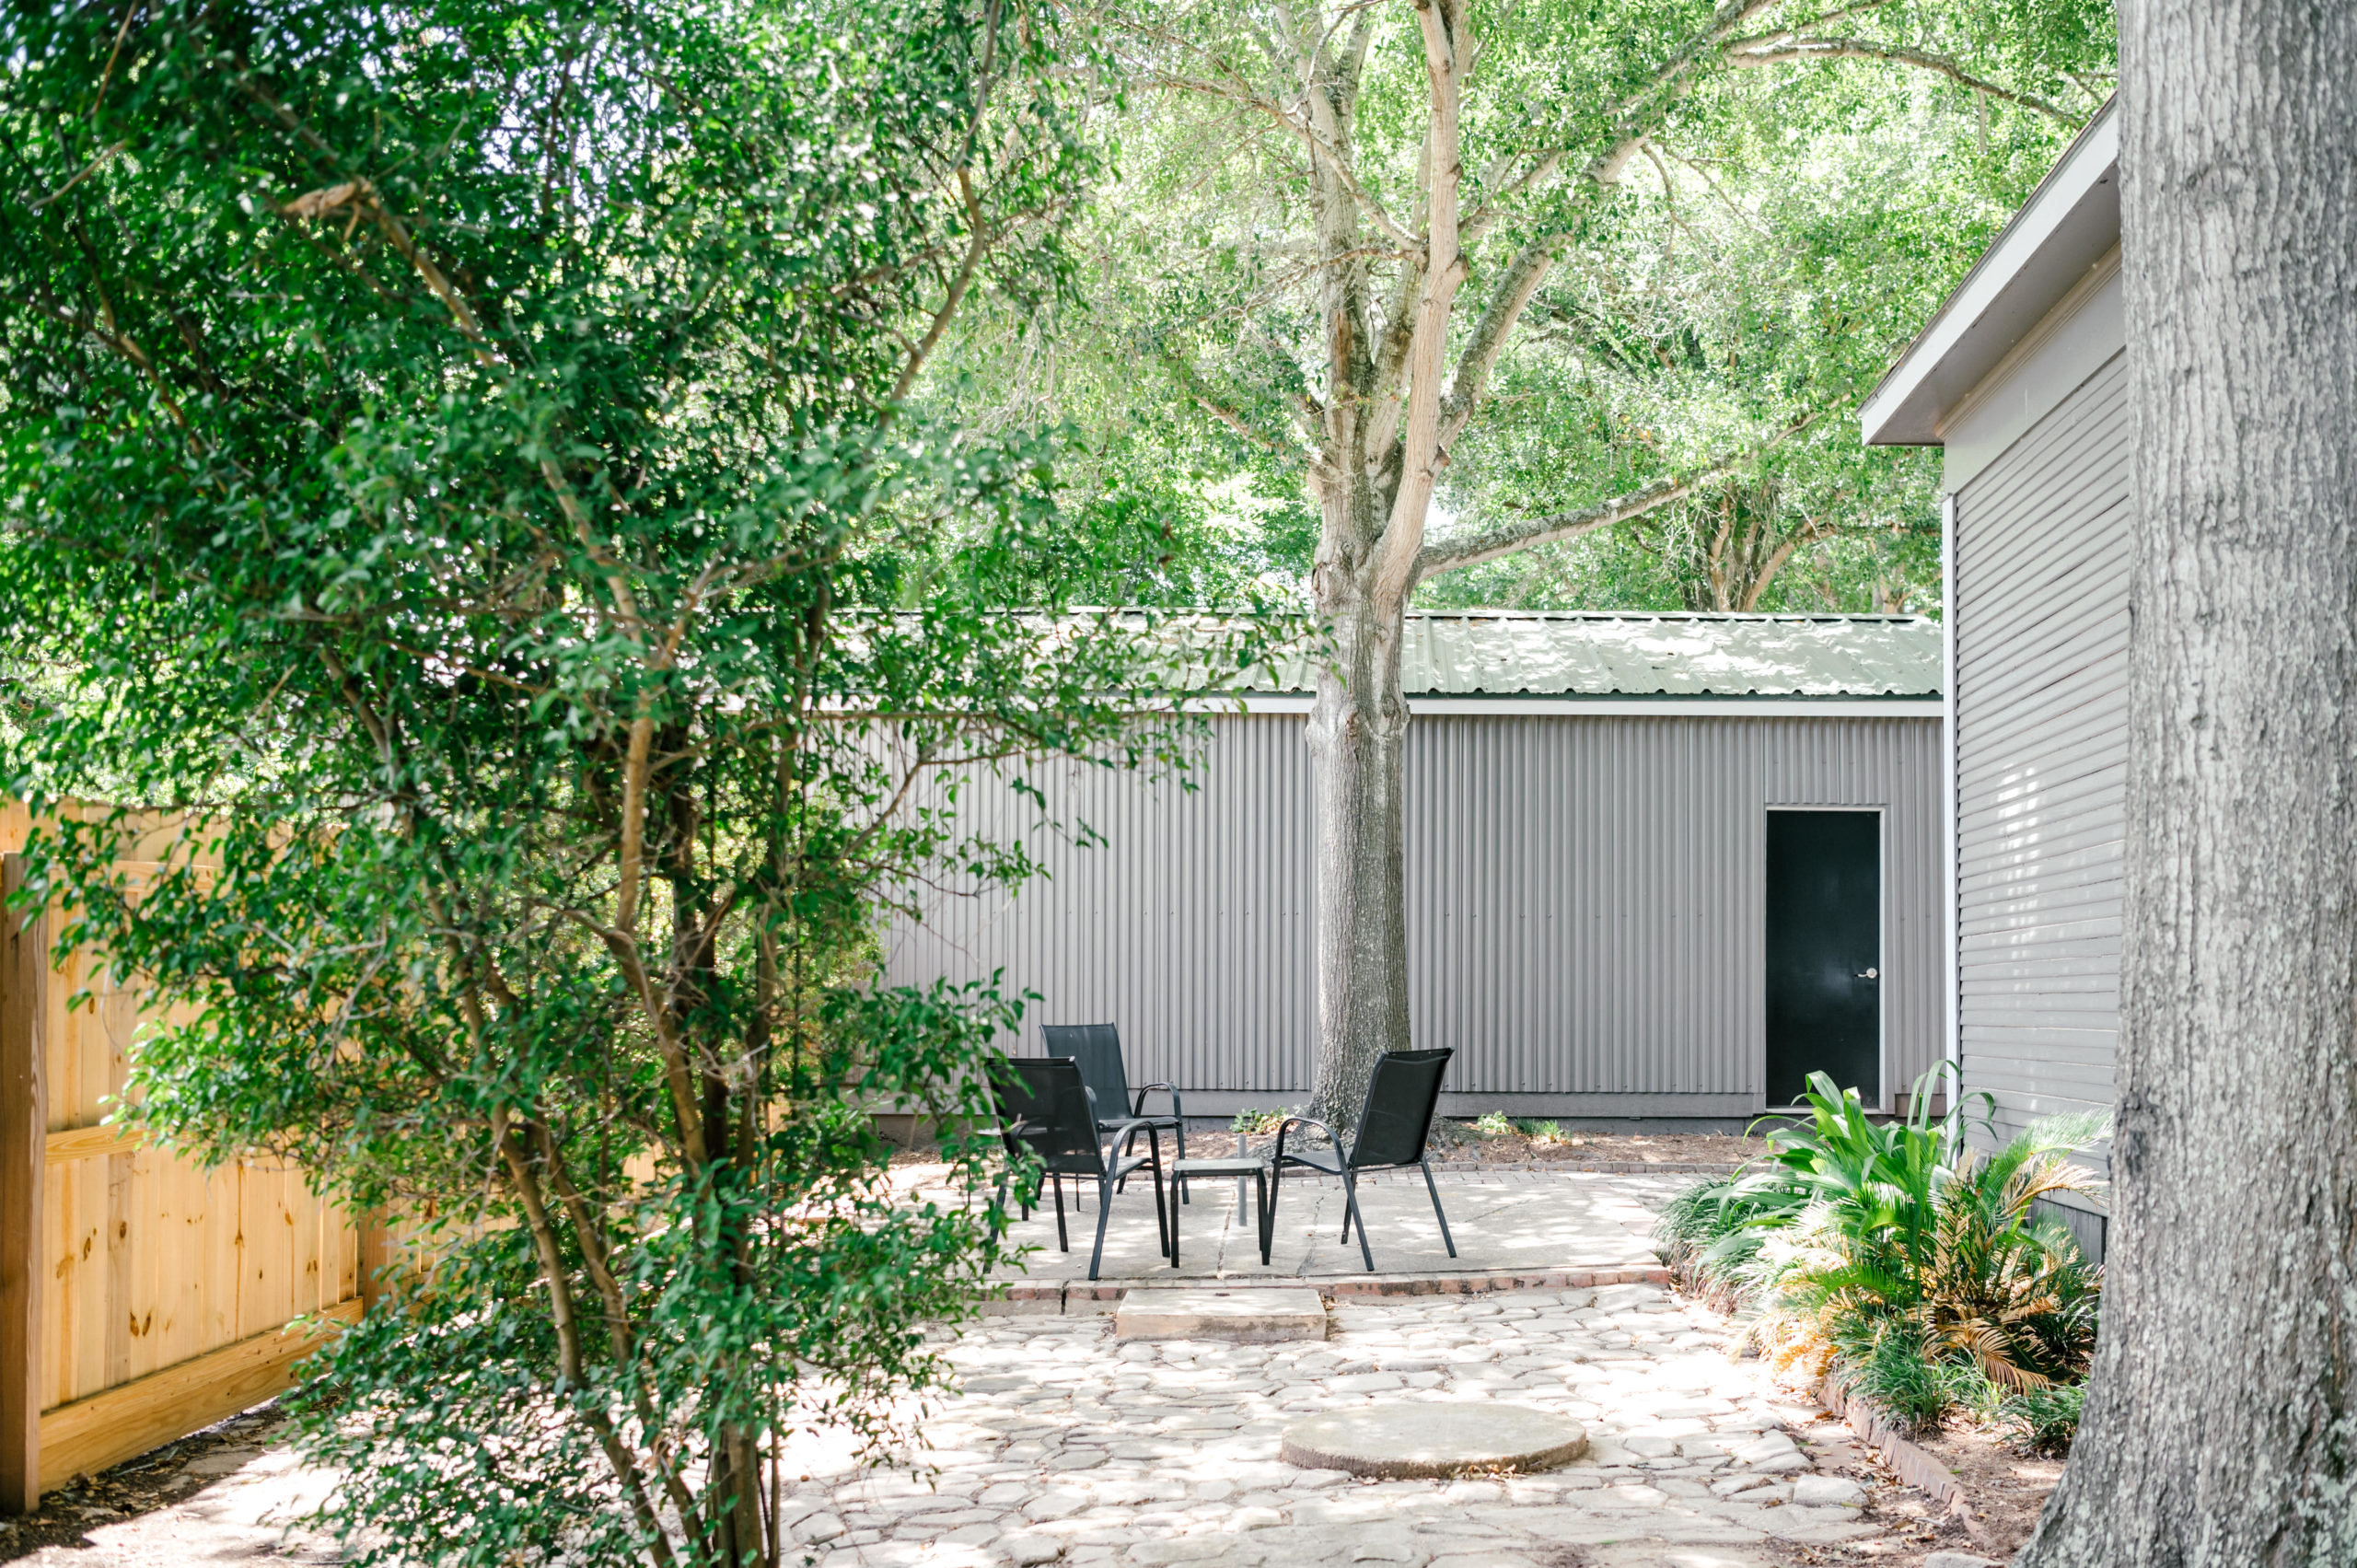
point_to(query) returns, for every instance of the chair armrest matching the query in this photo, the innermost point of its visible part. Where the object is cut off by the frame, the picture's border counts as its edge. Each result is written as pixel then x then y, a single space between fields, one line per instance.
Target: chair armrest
pixel 1290 1123
pixel 1120 1134
pixel 1139 1110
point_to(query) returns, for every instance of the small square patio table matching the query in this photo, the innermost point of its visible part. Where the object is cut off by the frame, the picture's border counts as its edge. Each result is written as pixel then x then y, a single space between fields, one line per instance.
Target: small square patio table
pixel 1236 1167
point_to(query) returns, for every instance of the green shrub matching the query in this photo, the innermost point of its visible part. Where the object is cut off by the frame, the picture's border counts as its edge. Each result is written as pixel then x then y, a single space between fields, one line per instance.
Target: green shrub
pixel 1852 1223
pixel 2046 1419
pixel 1900 1372
pixel 1260 1121
pixel 1493 1125
pixel 1540 1131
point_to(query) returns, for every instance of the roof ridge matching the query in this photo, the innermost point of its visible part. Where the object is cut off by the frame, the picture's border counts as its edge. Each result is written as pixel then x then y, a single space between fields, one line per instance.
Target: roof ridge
pixel 1738 616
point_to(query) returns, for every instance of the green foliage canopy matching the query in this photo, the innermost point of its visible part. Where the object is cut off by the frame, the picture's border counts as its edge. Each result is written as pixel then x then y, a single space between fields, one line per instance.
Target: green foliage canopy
pixel 1791 218
pixel 454 472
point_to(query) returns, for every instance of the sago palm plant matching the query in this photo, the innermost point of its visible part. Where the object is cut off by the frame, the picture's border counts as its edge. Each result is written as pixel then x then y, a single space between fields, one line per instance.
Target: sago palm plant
pixel 1857 1236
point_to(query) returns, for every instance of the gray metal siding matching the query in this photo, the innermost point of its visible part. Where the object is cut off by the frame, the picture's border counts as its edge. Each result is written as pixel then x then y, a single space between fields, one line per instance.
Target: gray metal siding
pixel 1896 766
pixel 1570 884
pixel 1189 924
pixel 2041 553
pixel 1585 899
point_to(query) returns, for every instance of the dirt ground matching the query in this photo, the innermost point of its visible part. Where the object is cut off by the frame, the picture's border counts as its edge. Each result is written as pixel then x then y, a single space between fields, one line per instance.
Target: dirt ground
pixel 2004 1492
pixel 1460 1141
pixel 2005 1487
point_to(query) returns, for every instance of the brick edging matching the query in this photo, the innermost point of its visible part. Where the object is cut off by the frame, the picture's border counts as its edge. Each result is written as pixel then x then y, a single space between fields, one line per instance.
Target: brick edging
pixel 1099 1296
pixel 1586 1168
pixel 1915 1466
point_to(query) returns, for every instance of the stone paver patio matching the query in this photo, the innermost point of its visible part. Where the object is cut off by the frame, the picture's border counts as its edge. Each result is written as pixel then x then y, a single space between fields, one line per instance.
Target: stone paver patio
pixel 1064 1445
pixel 1067 1445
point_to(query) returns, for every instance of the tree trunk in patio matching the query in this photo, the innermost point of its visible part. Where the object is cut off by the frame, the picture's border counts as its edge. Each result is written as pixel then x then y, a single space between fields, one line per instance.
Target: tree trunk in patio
pixel 2220 1427
pixel 1358 736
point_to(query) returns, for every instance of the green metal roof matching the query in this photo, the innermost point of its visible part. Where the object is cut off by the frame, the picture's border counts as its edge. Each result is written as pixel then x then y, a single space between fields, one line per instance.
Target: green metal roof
pixel 1570 654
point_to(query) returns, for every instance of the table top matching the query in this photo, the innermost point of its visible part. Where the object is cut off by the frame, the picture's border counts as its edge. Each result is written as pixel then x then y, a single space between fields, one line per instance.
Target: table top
pixel 1231 1165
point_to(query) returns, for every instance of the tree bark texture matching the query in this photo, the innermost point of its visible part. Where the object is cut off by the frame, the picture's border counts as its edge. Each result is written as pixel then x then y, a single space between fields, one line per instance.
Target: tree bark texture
pixel 1358 738
pixel 2220 1427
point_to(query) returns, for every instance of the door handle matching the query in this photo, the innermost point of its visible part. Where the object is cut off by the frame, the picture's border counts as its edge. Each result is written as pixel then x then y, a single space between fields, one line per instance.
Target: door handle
pixel 1871 974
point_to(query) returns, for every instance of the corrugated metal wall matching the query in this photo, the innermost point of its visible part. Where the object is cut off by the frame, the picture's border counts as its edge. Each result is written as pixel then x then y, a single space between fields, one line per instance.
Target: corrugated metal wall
pixel 1189 925
pixel 2041 554
pixel 1585 905
pixel 1840 763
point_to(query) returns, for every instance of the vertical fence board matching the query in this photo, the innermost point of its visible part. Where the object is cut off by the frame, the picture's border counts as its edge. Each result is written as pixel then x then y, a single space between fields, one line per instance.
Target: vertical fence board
pixel 24 1124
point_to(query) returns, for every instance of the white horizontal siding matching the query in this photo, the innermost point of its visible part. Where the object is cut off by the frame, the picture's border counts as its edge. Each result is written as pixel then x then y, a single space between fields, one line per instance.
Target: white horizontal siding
pixel 2041 557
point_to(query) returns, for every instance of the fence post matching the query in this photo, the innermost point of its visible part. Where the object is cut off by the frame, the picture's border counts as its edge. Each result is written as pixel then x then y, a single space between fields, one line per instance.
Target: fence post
pixel 375 1253
pixel 24 1130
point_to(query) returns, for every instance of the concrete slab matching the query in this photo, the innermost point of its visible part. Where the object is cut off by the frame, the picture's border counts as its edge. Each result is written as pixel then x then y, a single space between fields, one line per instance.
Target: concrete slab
pixel 1507 1222
pixel 1402 1442
pixel 1245 1317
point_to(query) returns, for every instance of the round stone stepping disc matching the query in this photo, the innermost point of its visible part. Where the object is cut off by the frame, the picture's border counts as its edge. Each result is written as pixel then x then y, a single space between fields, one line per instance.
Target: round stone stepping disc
pixel 1403 1441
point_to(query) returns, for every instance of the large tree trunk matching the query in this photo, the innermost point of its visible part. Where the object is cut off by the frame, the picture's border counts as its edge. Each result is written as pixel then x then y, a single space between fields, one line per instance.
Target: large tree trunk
pixel 2222 1425
pixel 1358 732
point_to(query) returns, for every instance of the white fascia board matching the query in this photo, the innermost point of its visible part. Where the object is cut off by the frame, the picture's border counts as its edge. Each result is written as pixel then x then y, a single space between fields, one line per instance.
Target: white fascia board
pixel 2070 223
pixel 1628 707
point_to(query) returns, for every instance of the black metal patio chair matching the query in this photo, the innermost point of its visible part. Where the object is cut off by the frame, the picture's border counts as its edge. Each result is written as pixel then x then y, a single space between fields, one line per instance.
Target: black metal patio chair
pixel 1044 1105
pixel 1393 1128
pixel 1098 1049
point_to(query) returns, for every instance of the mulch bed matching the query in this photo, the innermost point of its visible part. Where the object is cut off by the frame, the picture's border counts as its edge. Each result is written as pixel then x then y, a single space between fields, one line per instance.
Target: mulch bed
pixel 2005 1488
pixel 1457 1140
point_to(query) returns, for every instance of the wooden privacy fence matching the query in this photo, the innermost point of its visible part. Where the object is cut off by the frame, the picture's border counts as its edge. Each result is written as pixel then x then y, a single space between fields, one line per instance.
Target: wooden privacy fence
pixel 142 1297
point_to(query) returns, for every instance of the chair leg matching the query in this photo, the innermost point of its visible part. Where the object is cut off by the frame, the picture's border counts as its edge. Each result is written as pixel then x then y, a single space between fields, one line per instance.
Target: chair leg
pixel 1269 1211
pixel 1437 1213
pixel 1262 1211
pixel 1179 1132
pixel 1062 1240
pixel 1123 1184
pixel 1351 1211
pixel 1169 1236
pixel 1103 1212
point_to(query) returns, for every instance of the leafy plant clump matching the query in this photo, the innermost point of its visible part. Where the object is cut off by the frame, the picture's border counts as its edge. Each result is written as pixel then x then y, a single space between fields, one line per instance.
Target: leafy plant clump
pixel 1260 1121
pixel 2047 1419
pixel 1493 1124
pixel 1899 1254
pixel 1899 1371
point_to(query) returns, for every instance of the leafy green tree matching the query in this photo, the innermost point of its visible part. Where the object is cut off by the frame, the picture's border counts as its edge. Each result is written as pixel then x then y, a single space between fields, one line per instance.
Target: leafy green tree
pixel 452 461
pixel 1456 282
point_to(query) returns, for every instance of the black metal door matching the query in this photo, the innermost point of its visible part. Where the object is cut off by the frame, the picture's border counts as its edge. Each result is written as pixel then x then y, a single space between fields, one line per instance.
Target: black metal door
pixel 1824 951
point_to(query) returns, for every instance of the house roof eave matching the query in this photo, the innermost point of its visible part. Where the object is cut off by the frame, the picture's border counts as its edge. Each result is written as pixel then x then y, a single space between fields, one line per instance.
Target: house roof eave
pixel 2069 225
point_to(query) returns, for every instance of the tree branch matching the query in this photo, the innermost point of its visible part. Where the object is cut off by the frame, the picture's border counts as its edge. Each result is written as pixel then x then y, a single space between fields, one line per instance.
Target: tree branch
pixel 1475 546
pixel 1515 287
pixel 1321 150
pixel 1392 574
pixel 1192 385
pixel 1485 216
pixel 569 1371
pixel 1783 49
pixel 978 245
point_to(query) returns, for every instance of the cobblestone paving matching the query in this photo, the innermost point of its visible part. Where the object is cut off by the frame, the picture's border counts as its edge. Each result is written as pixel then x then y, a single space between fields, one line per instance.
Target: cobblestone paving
pixel 1067 1445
